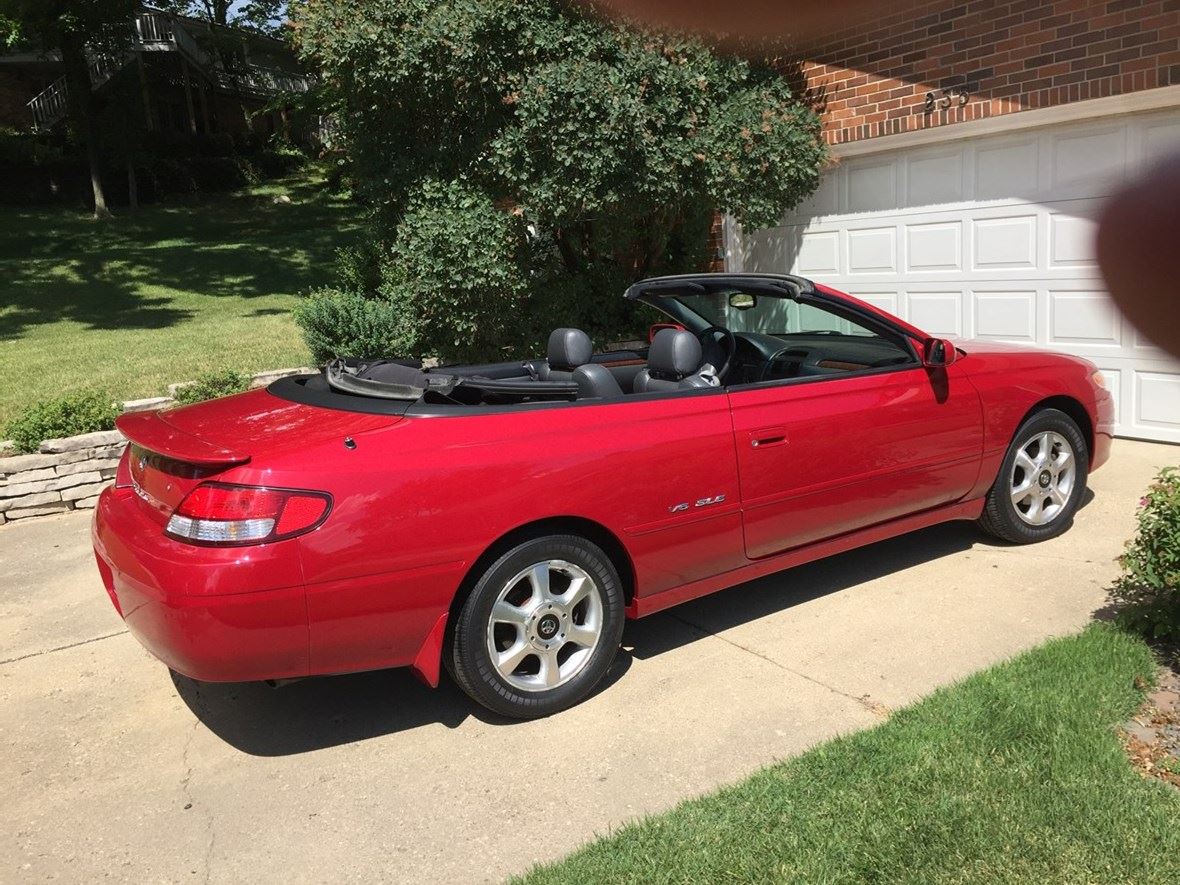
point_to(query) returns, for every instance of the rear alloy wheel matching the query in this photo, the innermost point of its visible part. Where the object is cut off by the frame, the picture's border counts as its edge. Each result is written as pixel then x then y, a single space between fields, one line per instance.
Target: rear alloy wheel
pixel 1041 480
pixel 540 628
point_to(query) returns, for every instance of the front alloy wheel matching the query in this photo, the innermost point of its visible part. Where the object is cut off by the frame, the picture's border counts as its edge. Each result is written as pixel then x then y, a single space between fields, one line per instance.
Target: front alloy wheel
pixel 540 627
pixel 1041 480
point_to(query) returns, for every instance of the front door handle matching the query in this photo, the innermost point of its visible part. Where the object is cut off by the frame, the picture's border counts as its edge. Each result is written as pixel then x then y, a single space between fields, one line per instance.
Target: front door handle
pixel 765 437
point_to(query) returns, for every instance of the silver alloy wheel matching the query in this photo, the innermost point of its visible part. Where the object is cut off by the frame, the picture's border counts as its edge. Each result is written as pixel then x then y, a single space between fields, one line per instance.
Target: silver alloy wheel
pixel 1043 478
pixel 545 624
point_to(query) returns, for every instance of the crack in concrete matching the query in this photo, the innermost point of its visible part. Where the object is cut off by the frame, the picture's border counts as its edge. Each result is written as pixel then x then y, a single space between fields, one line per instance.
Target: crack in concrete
pixel 864 700
pixel 49 651
pixel 186 792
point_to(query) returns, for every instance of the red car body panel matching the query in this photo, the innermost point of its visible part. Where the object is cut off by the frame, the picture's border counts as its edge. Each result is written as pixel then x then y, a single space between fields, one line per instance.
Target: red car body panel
pixel 417 501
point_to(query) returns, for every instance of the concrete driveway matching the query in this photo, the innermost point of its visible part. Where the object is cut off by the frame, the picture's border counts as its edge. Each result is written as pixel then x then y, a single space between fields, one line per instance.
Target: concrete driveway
pixel 112 768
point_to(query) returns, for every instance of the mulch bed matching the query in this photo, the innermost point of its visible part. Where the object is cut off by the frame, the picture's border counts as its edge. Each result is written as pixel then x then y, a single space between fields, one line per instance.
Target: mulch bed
pixel 1152 737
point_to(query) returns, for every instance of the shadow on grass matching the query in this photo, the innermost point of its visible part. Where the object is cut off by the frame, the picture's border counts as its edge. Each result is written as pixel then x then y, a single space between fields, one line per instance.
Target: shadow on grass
pixel 61 266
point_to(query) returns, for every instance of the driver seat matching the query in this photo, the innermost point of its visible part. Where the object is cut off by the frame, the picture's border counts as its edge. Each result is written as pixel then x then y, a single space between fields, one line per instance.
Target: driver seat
pixel 673 363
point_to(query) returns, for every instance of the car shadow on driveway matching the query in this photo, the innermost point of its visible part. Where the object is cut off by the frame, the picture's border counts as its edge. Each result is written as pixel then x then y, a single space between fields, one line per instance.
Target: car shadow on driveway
pixel 314 714
pixel 683 624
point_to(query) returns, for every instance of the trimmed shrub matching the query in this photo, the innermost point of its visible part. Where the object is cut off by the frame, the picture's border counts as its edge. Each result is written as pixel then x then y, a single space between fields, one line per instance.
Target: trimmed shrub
pixel 212 385
pixel 67 415
pixel 1148 592
pixel 338 323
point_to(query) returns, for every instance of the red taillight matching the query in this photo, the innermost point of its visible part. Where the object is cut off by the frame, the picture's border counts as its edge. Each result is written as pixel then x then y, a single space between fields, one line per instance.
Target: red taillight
pixel 224 514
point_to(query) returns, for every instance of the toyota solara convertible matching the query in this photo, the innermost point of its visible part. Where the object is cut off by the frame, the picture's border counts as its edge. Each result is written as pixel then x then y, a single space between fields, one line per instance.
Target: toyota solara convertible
pixel 504 520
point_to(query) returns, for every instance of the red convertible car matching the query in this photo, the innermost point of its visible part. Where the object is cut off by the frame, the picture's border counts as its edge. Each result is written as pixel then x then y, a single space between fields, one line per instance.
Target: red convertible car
pixel 504 520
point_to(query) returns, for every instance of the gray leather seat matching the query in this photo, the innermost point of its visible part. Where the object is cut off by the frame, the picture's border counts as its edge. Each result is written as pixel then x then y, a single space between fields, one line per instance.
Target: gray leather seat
pixel 596 382
pixel 673 362
pixel 568 349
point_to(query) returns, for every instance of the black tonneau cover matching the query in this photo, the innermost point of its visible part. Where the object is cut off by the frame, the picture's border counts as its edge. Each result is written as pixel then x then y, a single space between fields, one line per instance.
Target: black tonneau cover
pixel 392 379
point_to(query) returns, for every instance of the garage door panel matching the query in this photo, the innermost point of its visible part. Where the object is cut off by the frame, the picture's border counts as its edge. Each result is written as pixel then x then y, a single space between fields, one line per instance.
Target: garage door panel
pixel 933 179
pixel 1005 316
pixel 1087 162
pixel 938 313
pixel 1008 243
pixel 1071 241
pixel 1157 401
pixel 872 187
pixel 935 246
pixel 1006 169
pixel 1083 318
pixel 992 238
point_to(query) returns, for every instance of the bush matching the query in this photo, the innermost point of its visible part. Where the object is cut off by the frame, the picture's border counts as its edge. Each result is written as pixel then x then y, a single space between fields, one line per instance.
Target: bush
pixel 67 415
pixel 1148 592
pixel 339 323
pixel 213 174
pixel 212 385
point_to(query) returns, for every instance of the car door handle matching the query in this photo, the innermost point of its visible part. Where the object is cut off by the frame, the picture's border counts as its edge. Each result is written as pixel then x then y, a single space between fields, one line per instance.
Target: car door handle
pixel 767 436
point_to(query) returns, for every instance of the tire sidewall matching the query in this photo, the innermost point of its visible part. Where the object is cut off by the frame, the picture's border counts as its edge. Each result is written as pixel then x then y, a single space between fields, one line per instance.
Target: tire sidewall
pixel 1054 421
pixel 471 660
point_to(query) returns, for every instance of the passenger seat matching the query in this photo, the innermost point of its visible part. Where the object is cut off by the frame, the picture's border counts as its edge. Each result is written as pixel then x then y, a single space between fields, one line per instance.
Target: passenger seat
pixel 674 362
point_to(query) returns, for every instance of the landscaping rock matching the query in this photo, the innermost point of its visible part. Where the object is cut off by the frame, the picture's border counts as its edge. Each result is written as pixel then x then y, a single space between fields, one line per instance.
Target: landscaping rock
pixel 79 493
pixel 45 510
pixel 85 441
pixel 29 476
pixel 147 405
pixel 262 379
pixel 7 504
pixel 20 489
pixel 115 451
pixel 73 480
pixel 20 463
pixel 87 466
pixel 173 389
pixel 86 503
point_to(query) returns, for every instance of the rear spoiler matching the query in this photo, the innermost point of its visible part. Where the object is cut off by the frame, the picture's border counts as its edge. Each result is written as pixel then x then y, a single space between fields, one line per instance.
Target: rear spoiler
pixel 149 430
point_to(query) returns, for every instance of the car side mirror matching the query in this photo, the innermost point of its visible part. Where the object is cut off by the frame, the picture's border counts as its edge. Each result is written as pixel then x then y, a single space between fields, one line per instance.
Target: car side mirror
pixel 659 327
pixel 939 353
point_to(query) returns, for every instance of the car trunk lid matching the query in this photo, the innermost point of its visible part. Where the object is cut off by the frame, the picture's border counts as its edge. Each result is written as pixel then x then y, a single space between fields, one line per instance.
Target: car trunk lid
pixel 174 450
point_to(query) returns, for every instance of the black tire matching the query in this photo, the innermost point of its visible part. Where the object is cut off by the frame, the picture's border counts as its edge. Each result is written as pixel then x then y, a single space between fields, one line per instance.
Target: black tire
pixel 1001 516
pixel 468 657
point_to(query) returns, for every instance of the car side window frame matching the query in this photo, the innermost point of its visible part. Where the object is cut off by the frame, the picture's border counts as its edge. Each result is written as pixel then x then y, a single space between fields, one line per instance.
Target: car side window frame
pixel 884 329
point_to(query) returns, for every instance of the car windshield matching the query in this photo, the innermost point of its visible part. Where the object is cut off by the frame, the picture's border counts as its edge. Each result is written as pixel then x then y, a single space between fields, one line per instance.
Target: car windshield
pixel 769 315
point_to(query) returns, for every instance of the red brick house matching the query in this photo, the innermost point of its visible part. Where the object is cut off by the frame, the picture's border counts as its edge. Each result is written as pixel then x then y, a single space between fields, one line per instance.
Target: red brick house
pixel 972 145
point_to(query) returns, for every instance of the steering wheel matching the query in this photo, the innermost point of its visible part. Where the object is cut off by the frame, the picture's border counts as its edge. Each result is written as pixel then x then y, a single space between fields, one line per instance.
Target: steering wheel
pixel 718 353
pixel 797 354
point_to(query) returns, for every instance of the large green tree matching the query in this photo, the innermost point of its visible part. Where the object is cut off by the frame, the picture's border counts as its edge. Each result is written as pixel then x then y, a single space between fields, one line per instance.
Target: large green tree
pixel 82 31
pixel 527 158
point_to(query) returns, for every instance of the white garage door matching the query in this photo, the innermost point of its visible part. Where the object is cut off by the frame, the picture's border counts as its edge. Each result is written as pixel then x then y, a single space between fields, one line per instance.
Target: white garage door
pixel 990 238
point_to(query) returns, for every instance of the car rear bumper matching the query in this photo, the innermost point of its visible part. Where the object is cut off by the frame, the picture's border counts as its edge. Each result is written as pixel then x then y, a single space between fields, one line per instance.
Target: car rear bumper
pixel 214 614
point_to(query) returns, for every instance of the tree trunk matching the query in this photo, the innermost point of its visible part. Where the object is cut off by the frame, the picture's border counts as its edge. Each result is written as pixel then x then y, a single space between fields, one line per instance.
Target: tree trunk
pixel 132 187
pixel 81 105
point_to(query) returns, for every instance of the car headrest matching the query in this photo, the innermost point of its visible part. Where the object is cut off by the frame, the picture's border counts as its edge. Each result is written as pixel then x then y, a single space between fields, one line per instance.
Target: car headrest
pixel 674 354
pixel 569 348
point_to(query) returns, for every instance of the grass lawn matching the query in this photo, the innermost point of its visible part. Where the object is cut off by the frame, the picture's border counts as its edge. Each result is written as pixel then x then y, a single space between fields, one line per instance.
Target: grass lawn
pixel 131 305
pixel 1014 775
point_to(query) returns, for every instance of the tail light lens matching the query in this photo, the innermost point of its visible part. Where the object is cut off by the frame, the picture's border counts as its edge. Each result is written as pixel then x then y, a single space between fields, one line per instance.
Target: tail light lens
pixel 230 515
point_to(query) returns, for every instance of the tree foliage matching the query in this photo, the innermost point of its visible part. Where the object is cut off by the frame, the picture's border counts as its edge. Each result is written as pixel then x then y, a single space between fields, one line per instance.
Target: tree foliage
pixel 526 159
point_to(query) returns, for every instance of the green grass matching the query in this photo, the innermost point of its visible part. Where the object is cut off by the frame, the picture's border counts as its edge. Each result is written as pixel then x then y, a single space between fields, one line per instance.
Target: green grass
pixel 132 305
pixel 1014 775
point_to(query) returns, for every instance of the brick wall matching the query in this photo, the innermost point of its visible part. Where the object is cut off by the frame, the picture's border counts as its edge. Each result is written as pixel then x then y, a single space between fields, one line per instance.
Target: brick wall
pixel 872 79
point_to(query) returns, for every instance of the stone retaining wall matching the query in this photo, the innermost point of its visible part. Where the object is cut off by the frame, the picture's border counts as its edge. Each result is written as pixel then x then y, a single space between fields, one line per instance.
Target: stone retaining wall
pixel 67 474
